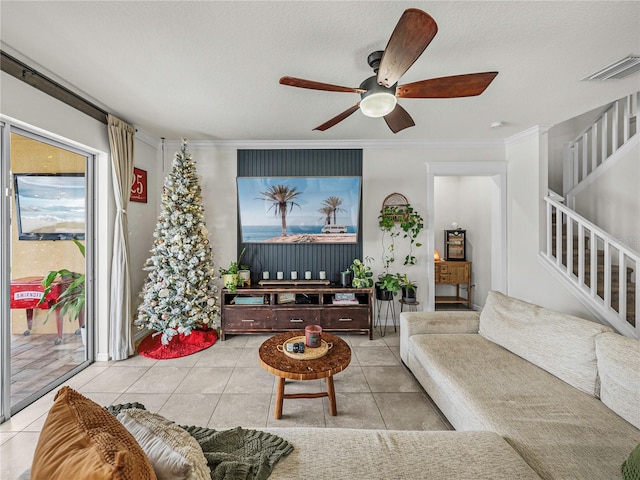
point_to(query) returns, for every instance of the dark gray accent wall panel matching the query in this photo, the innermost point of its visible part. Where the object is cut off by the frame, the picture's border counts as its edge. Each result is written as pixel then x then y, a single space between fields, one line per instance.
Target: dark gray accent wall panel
pixel 332 258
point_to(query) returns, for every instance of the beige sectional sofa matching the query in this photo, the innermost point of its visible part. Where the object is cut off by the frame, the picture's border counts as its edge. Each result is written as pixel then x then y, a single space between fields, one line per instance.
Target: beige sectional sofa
pixel 532 394
pixel 562 391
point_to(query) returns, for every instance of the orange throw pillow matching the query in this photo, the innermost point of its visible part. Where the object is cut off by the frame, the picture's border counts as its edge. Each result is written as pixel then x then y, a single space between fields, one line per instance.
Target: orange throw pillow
pixel 82 440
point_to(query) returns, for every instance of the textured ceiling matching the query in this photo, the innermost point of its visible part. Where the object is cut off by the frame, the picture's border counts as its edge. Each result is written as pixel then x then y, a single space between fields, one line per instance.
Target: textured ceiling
pixel 209 70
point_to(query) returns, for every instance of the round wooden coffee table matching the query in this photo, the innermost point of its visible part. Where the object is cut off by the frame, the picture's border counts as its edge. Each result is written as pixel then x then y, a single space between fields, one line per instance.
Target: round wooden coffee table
pixel 283 366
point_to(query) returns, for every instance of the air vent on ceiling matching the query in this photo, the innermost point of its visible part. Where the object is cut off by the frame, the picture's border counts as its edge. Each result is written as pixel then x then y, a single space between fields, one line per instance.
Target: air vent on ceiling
pixel 620 69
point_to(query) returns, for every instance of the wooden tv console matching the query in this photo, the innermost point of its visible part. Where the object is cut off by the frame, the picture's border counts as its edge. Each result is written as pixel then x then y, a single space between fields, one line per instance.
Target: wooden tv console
pixel 270 309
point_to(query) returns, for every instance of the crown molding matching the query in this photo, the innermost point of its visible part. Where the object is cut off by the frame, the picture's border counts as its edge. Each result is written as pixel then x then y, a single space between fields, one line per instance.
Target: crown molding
pixel 150 140
pixel 335 144
pixel 527 134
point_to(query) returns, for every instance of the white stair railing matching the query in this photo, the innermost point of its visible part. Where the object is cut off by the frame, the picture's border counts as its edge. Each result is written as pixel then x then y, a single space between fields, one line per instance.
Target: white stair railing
pixel 599 141
pixel 600 259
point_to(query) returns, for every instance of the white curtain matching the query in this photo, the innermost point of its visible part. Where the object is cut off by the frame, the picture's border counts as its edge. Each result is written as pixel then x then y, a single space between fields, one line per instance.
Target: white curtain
pixel 121 140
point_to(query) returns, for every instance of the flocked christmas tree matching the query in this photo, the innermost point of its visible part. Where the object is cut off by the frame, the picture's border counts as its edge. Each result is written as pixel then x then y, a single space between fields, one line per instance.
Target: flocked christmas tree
pixel 179 294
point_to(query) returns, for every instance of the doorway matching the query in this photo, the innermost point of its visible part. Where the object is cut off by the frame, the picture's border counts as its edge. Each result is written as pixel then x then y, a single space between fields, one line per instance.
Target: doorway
pixel 497 174
pixel 47 252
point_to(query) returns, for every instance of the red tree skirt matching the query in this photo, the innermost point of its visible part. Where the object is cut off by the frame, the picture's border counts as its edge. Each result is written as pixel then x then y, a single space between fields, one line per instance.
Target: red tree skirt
pixel 179 346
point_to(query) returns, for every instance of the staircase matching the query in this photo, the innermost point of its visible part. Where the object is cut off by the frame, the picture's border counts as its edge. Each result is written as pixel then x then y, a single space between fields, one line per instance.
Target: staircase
pixel 602 272
pixel 588 155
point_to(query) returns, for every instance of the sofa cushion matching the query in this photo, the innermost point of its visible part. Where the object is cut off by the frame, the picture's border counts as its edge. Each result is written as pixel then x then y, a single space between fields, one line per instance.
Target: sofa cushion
pixel 561 344
pixel 173 453
pixel 343 453
pixel 80 439
pixel 559 431
pixel 619 370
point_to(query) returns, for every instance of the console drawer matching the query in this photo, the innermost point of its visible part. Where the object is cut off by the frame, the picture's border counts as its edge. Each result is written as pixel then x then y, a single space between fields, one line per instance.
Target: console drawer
pixel 247 318
pixel 296 318
pixel 345 317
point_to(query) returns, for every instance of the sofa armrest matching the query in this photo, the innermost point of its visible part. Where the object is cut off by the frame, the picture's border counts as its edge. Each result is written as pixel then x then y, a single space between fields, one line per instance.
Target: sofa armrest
pixel 414 323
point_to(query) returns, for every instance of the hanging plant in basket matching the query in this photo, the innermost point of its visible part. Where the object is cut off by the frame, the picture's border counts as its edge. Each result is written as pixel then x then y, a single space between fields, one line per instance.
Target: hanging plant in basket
pixel 399 220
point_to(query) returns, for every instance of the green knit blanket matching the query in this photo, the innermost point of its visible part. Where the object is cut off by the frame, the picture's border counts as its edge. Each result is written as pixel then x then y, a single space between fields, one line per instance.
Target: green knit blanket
pixel 631 466
pixel 235 454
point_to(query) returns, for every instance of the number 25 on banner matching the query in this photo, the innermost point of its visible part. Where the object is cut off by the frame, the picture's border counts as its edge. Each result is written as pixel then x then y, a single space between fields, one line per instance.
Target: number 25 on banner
pixel 139 186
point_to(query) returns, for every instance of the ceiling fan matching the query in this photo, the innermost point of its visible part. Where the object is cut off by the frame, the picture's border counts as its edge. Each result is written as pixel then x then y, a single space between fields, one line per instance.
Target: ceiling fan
pixel 379 93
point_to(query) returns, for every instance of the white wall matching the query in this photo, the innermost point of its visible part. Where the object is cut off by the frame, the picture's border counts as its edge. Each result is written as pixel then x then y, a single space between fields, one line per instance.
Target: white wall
pixel 143 216
pixel 612 201
pixel 559 135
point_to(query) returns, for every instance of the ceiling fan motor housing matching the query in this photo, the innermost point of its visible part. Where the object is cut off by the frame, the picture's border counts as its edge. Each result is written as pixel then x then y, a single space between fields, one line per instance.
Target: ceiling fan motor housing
pixel 374 60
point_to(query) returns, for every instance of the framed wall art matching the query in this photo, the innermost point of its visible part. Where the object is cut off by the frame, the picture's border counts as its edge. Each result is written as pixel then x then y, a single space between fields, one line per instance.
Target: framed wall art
pixel 299 209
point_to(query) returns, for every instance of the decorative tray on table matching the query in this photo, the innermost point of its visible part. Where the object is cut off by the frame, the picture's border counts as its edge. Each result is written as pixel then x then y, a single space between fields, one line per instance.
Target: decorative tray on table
pixel 310 353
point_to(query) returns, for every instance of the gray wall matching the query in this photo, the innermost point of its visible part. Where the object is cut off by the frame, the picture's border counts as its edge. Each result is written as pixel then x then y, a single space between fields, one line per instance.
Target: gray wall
pixel 274 257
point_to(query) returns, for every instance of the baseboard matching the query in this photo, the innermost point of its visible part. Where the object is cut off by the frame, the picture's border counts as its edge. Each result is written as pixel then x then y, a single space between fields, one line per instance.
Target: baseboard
pixel 102 357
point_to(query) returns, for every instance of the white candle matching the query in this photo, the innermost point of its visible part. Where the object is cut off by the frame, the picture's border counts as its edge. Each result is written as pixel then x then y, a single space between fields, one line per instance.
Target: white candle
pixel 294 275
pixel 307 275
pixel 265 275
pixel 323 275
pixel 280 275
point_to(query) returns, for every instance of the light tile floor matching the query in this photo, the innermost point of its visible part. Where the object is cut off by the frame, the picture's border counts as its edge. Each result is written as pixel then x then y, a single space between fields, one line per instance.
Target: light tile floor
pixel 224 386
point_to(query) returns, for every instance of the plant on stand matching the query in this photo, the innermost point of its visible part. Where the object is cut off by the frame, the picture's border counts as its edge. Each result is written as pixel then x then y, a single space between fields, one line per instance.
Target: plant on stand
pixel 387 286
pixel 409 288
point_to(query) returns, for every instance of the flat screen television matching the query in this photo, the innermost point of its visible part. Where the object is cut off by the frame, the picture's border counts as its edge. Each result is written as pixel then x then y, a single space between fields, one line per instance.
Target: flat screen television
pixel 50 206
pixel 299 210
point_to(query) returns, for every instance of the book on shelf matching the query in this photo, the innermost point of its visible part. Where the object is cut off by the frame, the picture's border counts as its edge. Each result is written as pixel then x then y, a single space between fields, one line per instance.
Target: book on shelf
pixel 353 301
pixel 345 296
pixel 249 300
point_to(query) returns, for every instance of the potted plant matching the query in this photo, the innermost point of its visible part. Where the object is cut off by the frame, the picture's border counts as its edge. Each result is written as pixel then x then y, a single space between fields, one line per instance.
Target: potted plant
pixel 387 286
pixel 244 273
pixel 362 274
pixel 408 288
pixel 231 275
pixel 72 300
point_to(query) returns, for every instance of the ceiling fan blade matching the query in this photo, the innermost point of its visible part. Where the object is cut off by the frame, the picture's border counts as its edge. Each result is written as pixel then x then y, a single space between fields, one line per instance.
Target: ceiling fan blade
pixel 468 85
pixel 338 118
pixel 398 119
pixel 310 84
pixel 412 34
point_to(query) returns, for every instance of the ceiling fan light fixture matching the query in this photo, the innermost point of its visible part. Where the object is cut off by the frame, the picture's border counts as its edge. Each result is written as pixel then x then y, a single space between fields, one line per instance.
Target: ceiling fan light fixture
pixel 378 104
pixel 378 100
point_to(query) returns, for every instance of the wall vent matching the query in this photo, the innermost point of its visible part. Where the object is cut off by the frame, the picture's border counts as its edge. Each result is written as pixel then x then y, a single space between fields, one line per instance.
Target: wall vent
pixel 620 69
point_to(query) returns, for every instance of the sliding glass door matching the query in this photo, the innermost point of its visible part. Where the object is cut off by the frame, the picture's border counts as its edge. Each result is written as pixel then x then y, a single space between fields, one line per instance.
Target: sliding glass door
pixel 46 267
